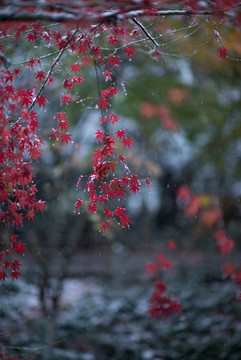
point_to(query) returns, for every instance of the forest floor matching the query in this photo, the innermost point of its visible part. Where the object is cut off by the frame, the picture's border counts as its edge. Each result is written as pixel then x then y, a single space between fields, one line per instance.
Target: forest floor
pixel 104 306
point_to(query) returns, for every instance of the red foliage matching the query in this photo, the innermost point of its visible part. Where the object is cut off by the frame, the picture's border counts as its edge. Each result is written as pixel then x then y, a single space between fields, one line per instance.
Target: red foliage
pixel 224 242
pixel 171 244
pixel 193 206
pixel 162 306
pixel 162 112
pixel 222 53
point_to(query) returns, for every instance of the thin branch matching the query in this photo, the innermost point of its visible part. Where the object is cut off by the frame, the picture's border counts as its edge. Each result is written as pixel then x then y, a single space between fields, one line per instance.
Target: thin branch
pixel 154 37
pixel 30 30
pixel 181 37
pixel 50 54
pixel 37 58
pixel 51 69
pixel 12 12
pixel 142 27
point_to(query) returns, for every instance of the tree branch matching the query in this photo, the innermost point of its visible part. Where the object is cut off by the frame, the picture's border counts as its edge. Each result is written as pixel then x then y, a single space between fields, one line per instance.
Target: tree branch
pixel 92 12
pixel 51 70
pixel 142 27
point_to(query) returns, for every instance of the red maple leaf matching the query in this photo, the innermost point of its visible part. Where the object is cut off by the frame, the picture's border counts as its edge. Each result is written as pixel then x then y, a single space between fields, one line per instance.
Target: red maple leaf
pixel 50 80
pixel 151 268
pixel 129 51
pixel 184 193
pixel 97 156
pixel 63 124
pixel 107 75
pixel 164 262
pixel 193 207
pixel 119 211
pixel 124 220
pixel 41 100
pixel 113 90
pixel 65 137
pixel 55 134
pixel 77 80
pixel 113 60
pixel 18 247
pixel 114 119
pixel 15 265
pixel 13 239
pixel 171 244
pixel 105 225
pixel 160 286
pixel 121 158
pixel 99 135
pixel 127 142
pixel 103 119
pixel 31 37
pixel 26 97
pixel 40 205
pixel 67 84
pixel 119 191
pixel 30 215
pixel 40 75
pixel 148 183
pixel 92 208
pixel 220 235
pixel 102 103
pixel 226 246
pixel 75 68
pixel 222 53
pixel 112 40
pixel 60 116
pixel 108 213
pixel 134 183
pixel 18 219
pixel 14 275
pixel 65 99
pixel 86 61
pixel 31 63
pixel 78 205
pixel 3 275
pixel 6 264
pixel 162 306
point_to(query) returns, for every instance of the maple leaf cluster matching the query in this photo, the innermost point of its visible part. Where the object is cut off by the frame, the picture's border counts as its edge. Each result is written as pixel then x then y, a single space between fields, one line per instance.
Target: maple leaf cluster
pixel 9 265
pixel 20 108
pixel 162 306
pixel 20 145
pixel 103 184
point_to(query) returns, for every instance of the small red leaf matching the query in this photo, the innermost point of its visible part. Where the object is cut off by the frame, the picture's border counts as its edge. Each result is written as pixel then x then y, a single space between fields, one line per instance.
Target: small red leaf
pixel 222 53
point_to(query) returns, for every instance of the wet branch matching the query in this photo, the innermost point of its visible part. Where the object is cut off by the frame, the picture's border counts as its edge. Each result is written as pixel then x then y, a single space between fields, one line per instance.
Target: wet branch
pixel 142 27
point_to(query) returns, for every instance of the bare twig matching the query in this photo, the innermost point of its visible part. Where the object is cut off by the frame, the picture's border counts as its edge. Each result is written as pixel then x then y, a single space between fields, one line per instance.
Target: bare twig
pixel 142 27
